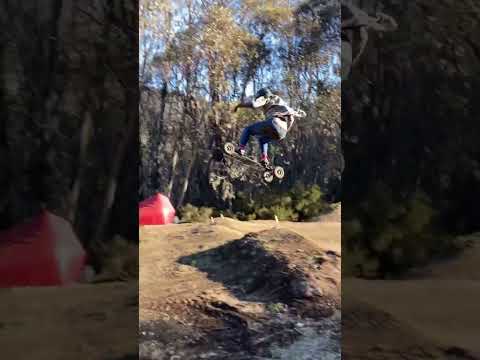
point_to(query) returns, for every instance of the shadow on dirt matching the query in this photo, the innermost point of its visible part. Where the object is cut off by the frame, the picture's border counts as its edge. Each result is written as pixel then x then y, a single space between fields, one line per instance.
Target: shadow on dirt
pixel 271 266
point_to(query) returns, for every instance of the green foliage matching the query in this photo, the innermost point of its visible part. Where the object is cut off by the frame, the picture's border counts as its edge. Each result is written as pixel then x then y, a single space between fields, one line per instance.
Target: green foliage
pixel 357 262
pixel 307 201
pixel 299 204
pixel 284 212
pixel 118 260
pixel 191 213
pixel 393 238
pixel 276 308
pixel 400 229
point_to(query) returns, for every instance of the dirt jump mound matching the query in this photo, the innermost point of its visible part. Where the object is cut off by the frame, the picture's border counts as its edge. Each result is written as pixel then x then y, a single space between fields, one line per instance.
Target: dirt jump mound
pixel 274 266
pixel 272 293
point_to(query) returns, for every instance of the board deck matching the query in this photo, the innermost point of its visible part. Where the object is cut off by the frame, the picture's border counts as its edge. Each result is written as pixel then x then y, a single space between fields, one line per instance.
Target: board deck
pixel 246 160
pixel 268 173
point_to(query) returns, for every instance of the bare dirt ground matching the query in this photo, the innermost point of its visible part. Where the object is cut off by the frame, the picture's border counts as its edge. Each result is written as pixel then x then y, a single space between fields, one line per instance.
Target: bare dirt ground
pixel 433 316
pixel 80 322
pixel 240 290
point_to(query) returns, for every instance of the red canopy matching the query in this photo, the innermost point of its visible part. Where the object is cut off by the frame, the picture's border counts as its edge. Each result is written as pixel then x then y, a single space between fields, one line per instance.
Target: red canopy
pixel 43 251
pixel 156 210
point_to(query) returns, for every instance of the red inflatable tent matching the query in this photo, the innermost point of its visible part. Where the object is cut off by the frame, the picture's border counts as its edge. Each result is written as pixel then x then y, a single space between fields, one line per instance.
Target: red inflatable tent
pixel 156 210
pixel 43 251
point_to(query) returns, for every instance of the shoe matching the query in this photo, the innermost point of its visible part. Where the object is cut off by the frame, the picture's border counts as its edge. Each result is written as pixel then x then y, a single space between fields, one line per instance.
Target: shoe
pixel 265 163
pixel 240 151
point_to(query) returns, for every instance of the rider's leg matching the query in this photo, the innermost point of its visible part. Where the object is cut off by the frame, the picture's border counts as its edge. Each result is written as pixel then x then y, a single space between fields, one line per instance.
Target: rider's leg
pixel 245 137
pixel 263 141
pixel 246 133
pixel 257 129
pixel 264 130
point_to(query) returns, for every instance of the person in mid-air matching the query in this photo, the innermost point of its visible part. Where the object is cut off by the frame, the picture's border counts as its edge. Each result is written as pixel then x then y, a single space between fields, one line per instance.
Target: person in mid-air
pixel 279 118
pixel 356 21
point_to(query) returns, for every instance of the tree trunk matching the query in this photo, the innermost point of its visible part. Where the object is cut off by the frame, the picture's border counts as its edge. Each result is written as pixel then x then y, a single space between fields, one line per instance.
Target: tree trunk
pixel 163 99
pixel 187 180
pixel 110 193
pixel 85 138
pixel 173 172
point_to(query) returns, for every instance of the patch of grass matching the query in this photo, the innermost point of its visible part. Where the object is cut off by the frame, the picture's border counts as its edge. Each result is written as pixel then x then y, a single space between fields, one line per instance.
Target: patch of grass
pixel 190 213
pixel 276 308
pixel 119 260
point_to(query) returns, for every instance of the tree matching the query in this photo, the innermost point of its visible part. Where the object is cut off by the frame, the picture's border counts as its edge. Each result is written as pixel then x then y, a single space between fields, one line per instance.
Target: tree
pixel 214 56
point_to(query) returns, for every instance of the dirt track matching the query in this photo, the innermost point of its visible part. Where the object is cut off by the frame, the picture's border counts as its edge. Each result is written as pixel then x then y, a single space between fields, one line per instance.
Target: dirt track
pixel 236 289
pixel 434 316
pixel 187 299
pixel 81 322
pixel 161 276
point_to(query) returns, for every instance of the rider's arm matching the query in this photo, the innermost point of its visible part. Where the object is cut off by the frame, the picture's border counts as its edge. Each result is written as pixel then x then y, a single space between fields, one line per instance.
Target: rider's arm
pixel 349 23
pixel 293 114
pixel 363 42
pixel 384 22
pixel 247 105
pixel 292 120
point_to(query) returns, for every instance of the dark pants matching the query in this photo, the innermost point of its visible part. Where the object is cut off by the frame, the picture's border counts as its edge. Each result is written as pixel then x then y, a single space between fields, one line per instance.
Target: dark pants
pixel 264 131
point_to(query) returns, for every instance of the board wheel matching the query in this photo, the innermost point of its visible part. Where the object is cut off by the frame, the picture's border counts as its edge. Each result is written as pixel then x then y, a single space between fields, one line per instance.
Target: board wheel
pixel 279 172
pixel 229 148
pixel 268 176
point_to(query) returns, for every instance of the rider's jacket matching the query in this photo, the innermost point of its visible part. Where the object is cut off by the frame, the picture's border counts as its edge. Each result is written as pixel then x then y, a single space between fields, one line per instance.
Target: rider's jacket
pixel 277 108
